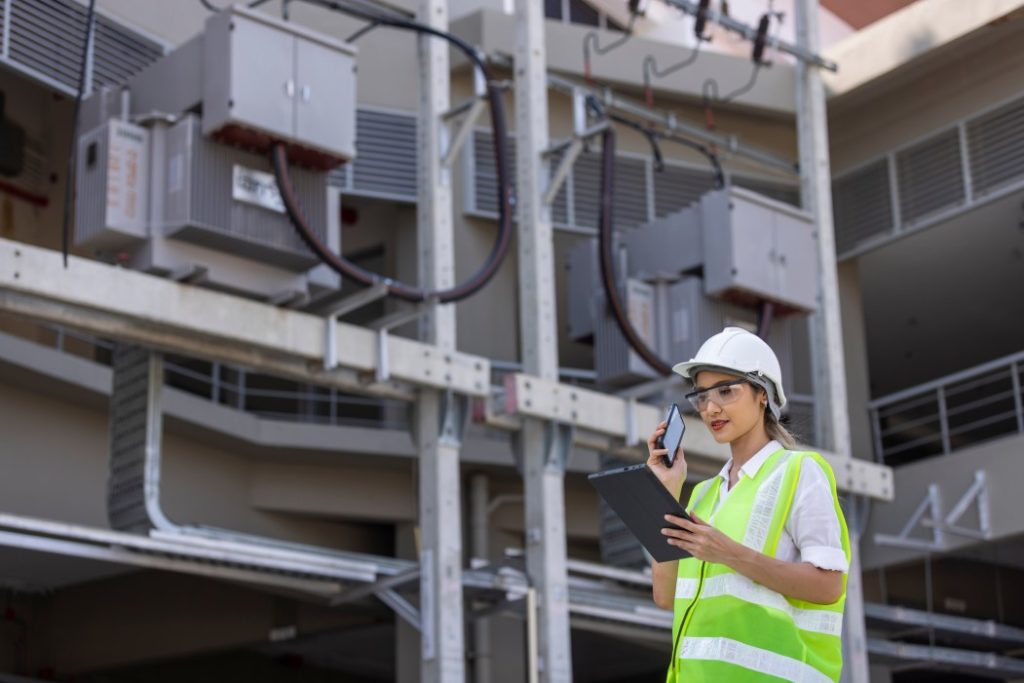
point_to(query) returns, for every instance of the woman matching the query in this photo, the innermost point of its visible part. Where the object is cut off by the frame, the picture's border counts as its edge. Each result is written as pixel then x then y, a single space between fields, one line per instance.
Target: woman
pixel 761 598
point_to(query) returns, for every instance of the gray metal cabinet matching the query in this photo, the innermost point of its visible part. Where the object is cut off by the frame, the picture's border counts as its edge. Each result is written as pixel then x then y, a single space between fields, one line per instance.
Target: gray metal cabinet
pixel 756 248
pixel 267 77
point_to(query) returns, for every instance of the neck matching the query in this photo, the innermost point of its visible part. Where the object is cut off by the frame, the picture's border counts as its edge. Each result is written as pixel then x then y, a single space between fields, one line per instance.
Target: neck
pixel 747 446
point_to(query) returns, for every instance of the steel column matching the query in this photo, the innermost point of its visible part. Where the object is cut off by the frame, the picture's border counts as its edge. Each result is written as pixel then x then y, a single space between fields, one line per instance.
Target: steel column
pixel 543 475
pixel 832 423
pixel 438 437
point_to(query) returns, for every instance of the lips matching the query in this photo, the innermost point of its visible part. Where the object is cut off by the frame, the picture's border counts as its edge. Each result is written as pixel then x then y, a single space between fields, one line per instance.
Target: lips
pixel 718 424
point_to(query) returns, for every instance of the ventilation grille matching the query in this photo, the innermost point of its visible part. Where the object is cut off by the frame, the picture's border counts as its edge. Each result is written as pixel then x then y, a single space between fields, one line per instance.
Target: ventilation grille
pixel 862 205
pixel 385 160
pixel 578 201
pixel 630 193
pixel 47 39
pixel 996 141
pixel 118 55
pixel 586 189
pixel 930 176
pixel 676 187
pixel 485 173
pixel 48 36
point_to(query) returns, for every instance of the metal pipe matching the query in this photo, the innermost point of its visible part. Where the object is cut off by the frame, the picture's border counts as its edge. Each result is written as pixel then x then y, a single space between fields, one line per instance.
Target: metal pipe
pixel 479 494
pixel 641 111
pixel 531 635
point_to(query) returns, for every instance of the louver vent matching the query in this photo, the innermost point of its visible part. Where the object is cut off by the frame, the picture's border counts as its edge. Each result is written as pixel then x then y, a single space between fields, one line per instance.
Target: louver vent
pixel 385 162
pixel 48 36
pixel 930 176
pixel 862 205
pixel 586 189
pixel 485 174
pixel 996 142
pixel 118 55
pixel 676 187
pixel 630 193
pixel 484 192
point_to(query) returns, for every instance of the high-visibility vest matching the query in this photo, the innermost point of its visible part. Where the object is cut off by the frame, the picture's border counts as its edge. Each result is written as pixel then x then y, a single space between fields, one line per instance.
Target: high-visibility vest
pixel 730 628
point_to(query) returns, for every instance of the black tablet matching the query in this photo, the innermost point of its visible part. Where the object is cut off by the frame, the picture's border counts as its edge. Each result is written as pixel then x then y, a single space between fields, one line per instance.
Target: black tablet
pixel 642 501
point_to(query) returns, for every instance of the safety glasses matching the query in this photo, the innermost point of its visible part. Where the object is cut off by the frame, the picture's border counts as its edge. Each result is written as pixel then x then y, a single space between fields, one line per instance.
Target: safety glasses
pixel 722 395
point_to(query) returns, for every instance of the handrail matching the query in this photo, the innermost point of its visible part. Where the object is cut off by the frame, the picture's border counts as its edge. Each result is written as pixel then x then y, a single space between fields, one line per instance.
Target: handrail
pixel 951 412
pixel 934 384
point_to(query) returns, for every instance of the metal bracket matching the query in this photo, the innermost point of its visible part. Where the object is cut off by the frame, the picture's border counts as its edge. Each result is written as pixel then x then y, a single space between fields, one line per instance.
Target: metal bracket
pixel 976 492
pixel 454 416
pixel 384 325
pixel 472 108
pixel 401 607
pixel 941 525
pixel 558 438
pixel 931 505
pixel 572 147
pixel 347 305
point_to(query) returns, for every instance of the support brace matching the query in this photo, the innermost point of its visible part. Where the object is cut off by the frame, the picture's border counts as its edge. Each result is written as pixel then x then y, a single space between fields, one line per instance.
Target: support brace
pixel 940 524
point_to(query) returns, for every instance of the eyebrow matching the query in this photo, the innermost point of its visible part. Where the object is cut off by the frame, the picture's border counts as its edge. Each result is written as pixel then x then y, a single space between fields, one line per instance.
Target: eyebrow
pixel 718 384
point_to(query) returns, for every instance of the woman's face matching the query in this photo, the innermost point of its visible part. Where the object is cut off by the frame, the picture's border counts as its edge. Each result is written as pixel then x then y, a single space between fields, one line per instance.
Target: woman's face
pixel 728 411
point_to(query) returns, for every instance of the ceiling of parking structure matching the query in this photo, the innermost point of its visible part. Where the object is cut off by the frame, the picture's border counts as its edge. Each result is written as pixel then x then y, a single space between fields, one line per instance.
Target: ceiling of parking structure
pixel 31 571
pixel 947 298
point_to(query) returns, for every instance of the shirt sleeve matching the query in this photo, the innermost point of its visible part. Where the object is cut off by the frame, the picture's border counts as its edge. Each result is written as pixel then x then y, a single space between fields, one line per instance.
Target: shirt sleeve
pixel 813 523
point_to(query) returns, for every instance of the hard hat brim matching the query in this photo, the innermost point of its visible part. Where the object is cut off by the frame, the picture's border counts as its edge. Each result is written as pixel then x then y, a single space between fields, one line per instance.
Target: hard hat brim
pixel 691 368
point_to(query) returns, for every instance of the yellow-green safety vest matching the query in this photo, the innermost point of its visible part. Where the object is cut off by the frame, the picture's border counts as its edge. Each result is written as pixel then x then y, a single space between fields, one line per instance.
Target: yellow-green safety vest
pixel 730 628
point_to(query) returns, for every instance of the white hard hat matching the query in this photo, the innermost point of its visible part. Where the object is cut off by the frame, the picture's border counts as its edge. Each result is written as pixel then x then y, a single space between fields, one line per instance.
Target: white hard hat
pixel 735 351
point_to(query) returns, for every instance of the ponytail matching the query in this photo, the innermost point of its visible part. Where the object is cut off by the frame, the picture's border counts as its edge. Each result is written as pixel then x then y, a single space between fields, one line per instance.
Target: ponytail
pixel 777 432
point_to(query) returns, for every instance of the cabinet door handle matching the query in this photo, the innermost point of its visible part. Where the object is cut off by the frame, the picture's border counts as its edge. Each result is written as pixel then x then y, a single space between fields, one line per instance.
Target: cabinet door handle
pixel 306 92
pixel 289 88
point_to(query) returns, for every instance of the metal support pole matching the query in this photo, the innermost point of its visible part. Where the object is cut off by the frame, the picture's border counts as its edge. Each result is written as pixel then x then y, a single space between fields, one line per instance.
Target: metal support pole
pixel 479 536
pixel 832 423
pixel 543 475
pixel 438 439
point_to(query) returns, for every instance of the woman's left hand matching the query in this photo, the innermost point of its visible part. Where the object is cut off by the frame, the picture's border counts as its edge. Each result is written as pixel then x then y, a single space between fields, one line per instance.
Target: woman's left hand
pixel 702 540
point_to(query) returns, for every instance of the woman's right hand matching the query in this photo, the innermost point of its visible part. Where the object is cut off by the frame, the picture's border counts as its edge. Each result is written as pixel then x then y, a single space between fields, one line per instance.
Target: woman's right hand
pixel 674 476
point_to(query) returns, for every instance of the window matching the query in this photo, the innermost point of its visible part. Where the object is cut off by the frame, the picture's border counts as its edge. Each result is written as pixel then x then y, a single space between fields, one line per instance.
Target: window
pixel 578 12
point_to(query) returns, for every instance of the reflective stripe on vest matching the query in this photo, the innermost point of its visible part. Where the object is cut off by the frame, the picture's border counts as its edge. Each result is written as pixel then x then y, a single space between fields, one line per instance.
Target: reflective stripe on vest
pixel 723 619
pixel 752 658
pixel 738 586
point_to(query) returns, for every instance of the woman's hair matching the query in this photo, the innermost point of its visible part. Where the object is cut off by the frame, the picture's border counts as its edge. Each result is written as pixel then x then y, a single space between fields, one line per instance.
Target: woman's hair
pixel 778 432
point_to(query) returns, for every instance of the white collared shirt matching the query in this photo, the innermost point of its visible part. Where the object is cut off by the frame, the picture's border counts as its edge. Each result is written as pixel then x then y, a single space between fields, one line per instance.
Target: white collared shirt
pixel 812 532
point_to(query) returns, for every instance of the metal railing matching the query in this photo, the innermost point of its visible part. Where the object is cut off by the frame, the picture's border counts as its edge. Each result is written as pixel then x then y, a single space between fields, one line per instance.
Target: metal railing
pixel 950 413
pixel 263 395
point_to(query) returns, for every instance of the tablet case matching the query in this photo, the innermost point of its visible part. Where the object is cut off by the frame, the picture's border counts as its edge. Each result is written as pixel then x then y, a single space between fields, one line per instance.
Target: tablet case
pixel 641 501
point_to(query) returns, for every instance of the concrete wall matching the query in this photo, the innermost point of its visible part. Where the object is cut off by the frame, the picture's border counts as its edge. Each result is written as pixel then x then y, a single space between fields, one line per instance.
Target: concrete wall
pixel 926 96
pixel 1002 460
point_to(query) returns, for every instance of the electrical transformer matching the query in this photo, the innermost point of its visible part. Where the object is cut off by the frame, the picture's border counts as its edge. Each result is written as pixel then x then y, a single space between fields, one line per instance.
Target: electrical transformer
pixel 174 176
pixel 690 274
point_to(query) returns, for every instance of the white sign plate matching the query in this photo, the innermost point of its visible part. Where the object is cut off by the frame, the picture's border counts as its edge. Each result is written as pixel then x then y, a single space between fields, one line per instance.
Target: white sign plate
pixel 256 187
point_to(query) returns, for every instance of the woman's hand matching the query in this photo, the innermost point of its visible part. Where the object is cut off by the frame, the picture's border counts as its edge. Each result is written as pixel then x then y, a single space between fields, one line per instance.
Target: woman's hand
pixel 703 541
pixel 672 477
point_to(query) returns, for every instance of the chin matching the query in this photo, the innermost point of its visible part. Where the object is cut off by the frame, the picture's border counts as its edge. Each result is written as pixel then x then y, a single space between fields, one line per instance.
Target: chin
pixel 723 436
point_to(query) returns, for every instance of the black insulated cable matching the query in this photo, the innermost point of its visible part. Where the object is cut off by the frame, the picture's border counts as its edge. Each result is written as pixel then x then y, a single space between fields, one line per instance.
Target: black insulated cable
pixel 761 39
pixel 608 278
pixel 349 270
pixel 765 316
pixel 700 21
pixel 69 176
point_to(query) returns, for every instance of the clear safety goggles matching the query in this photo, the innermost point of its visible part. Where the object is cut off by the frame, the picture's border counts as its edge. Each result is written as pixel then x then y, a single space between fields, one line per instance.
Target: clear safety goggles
pixel 722 395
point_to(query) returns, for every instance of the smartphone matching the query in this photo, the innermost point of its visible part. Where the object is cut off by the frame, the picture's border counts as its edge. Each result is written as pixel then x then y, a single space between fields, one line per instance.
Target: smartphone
pixel 673 435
